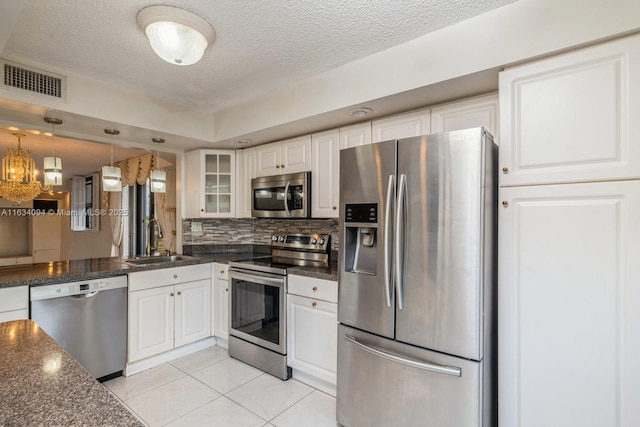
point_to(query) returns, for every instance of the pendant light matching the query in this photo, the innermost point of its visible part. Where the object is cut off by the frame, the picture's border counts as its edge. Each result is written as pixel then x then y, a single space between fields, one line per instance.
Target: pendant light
pixel 111 176
pixel 53 164
pixel 158 178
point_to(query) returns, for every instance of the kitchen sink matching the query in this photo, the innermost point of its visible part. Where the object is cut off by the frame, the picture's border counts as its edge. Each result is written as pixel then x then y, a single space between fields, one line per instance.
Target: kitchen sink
pixel 157 259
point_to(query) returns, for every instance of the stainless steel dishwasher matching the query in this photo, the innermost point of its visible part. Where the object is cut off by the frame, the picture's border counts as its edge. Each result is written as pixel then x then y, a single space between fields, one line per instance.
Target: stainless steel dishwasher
pixel 88 319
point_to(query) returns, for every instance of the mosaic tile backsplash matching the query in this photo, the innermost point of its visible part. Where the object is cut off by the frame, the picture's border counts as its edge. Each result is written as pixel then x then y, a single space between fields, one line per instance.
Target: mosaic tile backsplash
pixel 253 231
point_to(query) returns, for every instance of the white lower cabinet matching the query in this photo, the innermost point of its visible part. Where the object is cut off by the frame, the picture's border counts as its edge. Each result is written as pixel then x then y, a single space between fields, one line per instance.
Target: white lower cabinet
pixel 14 303
pixel 220 318
pixel 167 316
pixel 312 331
pixel 569 292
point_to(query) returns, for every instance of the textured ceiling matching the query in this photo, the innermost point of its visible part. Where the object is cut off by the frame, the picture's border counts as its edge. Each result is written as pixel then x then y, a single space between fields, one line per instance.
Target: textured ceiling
pixel 260 45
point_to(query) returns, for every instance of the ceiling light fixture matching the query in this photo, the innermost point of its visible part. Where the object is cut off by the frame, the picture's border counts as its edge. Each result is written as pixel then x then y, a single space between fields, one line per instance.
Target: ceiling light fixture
pixel 176 35
pixel 19 182
pixel 158 178
pixel 53 164
pixel 111 176
pixel 361 112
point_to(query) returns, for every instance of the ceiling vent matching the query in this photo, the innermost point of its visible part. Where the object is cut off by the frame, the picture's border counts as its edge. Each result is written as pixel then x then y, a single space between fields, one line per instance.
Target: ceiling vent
pixel 34 81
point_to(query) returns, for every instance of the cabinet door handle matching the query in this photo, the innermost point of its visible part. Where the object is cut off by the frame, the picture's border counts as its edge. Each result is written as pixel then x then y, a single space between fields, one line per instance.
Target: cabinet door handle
pixel 335 207
pixel 221 271
pixel 282 166
pixel 179 293
pixel 226 289
pixel 505 170
pixel 315 288
pixel 313 304
pixel 171 294
pixel 277 166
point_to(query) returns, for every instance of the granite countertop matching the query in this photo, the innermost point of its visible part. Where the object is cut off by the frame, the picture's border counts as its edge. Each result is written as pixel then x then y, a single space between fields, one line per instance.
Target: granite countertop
pixel 97 268
pixel 48 273
pixel 41 385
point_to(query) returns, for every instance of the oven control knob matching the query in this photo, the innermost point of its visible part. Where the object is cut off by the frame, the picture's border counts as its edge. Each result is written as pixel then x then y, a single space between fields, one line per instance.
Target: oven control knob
pixel 274 238
pixel 281 239
pixel 313 240
pixel 321 242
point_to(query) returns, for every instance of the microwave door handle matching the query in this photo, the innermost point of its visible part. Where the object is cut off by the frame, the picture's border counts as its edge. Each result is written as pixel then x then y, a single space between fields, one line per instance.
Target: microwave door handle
pixel 388 281
pixel 286 192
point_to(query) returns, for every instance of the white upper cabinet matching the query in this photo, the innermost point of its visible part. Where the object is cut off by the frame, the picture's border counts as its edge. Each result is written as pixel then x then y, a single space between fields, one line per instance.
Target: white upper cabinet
pixel 402 126
pixel 573 117
pixel 569 292
pixel 290 156
pixel 246 164
pixel 210 184
pixel 325 174
pixel 476 112
pixel 355 136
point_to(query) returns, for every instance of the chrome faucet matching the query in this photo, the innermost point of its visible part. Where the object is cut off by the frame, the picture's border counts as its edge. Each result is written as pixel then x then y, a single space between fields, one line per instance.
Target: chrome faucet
pixel 148 248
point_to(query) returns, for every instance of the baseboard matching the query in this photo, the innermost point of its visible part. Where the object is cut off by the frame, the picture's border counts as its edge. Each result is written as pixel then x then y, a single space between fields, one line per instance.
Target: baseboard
pixel 314 382
pixel 159 359
pixel 221 342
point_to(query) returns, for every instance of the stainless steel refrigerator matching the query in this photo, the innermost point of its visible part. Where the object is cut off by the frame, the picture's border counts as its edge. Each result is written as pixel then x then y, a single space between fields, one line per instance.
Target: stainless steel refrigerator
pixel 417 282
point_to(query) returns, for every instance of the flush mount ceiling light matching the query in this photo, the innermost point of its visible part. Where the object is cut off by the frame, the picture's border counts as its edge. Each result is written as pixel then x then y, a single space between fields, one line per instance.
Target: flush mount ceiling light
pixel 361 112
pixel 176 35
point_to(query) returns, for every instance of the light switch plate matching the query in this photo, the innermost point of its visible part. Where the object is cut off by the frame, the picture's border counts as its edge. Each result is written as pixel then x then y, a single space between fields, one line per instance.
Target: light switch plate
pixel 196 226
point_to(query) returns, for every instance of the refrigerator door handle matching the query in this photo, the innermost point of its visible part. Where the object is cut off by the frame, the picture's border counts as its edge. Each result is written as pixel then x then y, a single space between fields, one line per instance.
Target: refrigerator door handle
pixel 399 243
pixel 286 192
pixel 388 281
pixel 447 370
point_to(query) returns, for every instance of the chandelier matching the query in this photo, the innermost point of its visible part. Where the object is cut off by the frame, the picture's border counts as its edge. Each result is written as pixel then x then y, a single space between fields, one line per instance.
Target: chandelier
pixel 19 172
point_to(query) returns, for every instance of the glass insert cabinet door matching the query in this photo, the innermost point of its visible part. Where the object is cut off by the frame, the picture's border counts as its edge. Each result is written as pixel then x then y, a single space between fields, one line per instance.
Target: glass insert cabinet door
pixel 218 172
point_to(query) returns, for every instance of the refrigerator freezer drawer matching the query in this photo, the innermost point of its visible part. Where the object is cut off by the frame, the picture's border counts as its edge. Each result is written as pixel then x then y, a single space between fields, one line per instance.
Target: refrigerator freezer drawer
pixel 382 382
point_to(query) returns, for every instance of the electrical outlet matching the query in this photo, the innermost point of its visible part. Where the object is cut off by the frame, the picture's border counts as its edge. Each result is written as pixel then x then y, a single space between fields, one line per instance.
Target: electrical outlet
pixel 196 226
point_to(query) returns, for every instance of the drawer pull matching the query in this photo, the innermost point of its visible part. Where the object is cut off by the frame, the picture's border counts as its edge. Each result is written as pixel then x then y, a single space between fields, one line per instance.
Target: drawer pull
pixel 175 276
pixel 221 271
pixel 315 288
pixel 313 304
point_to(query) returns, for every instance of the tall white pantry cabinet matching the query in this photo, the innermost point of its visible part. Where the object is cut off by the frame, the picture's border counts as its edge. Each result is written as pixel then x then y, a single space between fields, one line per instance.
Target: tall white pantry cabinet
pixel 569 239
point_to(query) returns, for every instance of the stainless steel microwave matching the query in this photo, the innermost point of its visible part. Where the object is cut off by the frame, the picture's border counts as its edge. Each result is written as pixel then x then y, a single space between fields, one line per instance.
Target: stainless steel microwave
pixel 281 196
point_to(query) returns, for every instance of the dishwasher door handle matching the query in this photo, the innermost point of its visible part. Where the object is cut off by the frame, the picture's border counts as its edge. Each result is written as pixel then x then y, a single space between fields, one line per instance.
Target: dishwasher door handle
pixel 84 296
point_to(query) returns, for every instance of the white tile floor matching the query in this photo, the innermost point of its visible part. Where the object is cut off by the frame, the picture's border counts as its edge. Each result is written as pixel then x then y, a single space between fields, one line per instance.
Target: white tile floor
pixel 208 388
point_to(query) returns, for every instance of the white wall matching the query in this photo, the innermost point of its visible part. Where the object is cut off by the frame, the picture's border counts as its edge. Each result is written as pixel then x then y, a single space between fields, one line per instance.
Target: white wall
pixel 517 32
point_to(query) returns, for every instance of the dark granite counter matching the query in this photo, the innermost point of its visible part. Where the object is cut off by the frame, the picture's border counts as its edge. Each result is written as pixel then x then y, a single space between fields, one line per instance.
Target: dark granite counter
pixel 41 385
pixel 96 268
pixel 48 273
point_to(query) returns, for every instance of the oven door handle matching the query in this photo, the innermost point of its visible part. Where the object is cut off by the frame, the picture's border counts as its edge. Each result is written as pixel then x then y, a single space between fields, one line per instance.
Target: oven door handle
pixel 257 277
pixel 286 192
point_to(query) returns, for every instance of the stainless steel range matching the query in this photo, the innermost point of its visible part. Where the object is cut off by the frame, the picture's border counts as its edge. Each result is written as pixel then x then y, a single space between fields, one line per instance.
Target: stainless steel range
pixel 258 306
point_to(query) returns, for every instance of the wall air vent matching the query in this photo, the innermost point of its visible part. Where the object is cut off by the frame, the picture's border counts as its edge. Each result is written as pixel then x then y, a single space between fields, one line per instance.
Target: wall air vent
pixel 33 81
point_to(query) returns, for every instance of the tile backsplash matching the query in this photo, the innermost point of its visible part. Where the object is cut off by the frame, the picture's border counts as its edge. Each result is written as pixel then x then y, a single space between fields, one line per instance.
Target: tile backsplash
pixel 256 231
